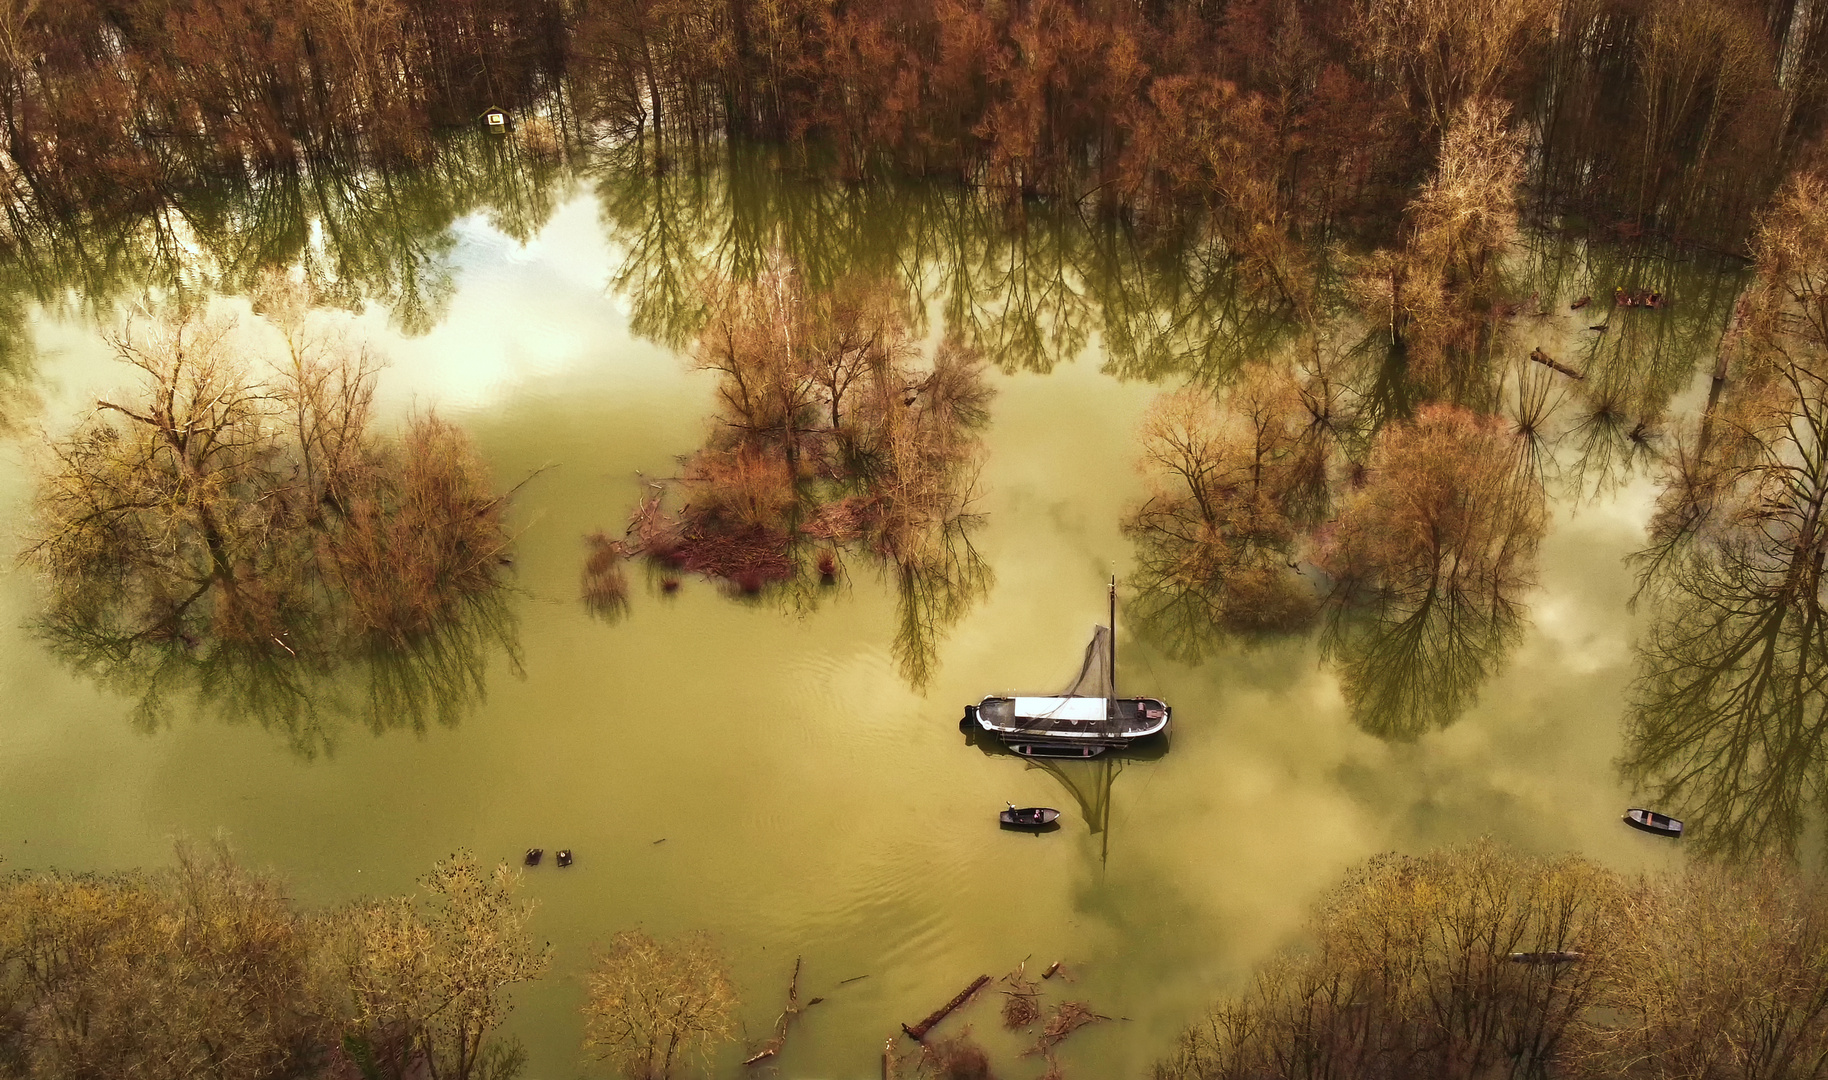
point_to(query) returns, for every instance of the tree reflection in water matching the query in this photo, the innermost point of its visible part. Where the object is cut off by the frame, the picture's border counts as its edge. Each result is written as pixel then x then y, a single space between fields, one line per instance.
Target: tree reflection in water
pixel 234 532
pixel 1729 717
pixel 359 234
pixel 1429 558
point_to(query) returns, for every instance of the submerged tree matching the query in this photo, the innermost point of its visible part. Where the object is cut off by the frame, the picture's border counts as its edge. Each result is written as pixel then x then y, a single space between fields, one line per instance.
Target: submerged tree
pixel 1432 304
pixel 657 1008
pixel 1478 962
pixel 236 525
pixel 1236 485
pixel 1429 557
pixel 833 435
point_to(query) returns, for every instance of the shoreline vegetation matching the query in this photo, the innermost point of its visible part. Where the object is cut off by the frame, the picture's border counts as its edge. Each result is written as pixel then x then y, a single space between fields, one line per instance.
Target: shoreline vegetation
pixel 1474 961
pixel 1338 235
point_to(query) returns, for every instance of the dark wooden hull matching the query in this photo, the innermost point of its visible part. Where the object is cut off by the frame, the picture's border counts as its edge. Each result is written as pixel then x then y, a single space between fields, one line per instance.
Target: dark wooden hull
pixel 1653 823
pixel 1029 817
pixel 1058 750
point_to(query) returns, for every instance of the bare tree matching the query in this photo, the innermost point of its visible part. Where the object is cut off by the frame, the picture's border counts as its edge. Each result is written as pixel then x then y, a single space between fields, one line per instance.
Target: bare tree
pixel 655 1008
pixel 1409 974
pixel 427 979
pixel 1717 969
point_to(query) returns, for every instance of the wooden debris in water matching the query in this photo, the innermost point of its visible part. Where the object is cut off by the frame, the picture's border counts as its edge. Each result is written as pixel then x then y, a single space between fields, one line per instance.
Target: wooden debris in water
pixel 919 1031
pixel 1022 1001
pixel 1052 969
pixel 1066 1018
pixel 785 1022
pixel 1545 360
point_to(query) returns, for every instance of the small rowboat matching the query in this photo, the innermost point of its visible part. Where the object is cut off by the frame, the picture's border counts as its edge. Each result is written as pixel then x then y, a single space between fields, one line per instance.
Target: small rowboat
pixel 1652 822
pixel 1028 817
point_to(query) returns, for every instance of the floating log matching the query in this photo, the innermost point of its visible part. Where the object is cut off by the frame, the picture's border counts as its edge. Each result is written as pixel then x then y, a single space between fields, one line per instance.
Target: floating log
pixel 919 1031
pixel 1547 361
pixel 1547 957
pixel 852 979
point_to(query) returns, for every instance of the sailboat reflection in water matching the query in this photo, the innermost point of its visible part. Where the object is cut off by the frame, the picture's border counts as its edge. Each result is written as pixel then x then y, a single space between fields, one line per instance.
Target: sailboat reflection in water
pixel 1085 720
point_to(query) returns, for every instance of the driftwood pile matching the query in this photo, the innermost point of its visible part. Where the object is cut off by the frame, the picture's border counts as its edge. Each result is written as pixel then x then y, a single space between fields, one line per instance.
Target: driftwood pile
pixel 1022 1001
pixel 959 1058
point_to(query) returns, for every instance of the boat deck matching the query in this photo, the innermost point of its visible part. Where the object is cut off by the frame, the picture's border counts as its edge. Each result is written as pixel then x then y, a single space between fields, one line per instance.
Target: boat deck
pixel 1073 718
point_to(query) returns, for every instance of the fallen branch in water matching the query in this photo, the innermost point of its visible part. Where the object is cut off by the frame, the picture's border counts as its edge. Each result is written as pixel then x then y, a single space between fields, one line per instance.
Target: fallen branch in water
pixel 1543 358
pixel 919 1031
pixel 794 1009
pixel 1052 969
pixel 1066 1018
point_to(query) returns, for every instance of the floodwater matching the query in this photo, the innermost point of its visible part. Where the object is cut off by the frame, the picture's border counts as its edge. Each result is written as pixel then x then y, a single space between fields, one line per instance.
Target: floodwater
pixel 769 775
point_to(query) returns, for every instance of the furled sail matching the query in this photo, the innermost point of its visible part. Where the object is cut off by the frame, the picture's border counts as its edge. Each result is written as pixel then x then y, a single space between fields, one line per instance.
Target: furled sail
pixel 1094 678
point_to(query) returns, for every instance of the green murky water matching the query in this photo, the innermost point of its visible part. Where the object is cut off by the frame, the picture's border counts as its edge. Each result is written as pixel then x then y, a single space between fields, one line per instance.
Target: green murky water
pixel 811 802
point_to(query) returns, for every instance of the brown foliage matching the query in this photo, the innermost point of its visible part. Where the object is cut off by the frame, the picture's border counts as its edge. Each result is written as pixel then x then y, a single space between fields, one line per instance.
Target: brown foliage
pixel 831 432
pixel 1408 975
pixel 425 982
pixel 655 1007
pixel 1430 557
pixel 202 970
pixel 1235 486
pixel 957 1058
pixel 226 514
pixel 1431 303
pixel 208 969
pixel 1444 510
pixel 1726 720
pixel 1716 969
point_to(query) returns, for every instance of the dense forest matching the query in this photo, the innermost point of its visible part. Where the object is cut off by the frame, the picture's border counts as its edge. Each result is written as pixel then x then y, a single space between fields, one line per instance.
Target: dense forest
pixel 1327 230
pixel 1303 119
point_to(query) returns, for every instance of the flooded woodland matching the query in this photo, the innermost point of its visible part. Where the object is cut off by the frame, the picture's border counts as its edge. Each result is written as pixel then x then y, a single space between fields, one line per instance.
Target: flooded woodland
pixel 636 429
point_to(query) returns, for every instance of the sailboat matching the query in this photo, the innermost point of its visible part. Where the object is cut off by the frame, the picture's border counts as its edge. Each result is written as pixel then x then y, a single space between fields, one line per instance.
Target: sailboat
pixel 1086 719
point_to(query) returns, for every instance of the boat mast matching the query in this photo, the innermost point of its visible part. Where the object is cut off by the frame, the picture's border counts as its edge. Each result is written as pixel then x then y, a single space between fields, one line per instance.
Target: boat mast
pixel 1112 709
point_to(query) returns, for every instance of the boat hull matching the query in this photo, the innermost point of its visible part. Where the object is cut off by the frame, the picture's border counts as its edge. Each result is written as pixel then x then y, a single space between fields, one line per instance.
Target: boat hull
pixel 1057 722
pixel 1069 751
pixel 1654 823
pixel 1029 817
